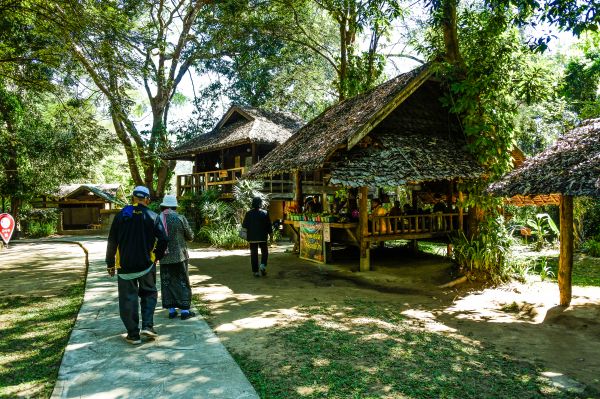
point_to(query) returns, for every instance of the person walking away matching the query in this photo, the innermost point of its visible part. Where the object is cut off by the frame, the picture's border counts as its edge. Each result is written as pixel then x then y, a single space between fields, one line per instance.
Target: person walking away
pixel 259 228
pixel 136 241
pixel 175 287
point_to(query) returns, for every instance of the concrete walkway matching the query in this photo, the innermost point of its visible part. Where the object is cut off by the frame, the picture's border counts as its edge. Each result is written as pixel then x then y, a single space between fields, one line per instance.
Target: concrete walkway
pixel 186 361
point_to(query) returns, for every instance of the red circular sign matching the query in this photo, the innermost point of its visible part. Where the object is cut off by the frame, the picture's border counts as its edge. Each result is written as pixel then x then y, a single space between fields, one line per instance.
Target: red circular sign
pixel 7 226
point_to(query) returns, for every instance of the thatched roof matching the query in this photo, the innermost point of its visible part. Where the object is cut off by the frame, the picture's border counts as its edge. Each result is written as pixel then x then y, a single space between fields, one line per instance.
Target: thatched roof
pixel 401 159
pixel 571 166
pixel 341 126
pixel 240 125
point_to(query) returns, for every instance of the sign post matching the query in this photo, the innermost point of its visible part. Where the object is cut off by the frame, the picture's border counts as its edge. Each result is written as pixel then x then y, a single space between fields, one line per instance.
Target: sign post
pixel 311 242
pixel 7 227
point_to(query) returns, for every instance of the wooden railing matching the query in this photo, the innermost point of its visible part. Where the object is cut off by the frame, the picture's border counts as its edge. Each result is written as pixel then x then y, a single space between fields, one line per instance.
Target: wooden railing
pixel 433 224
pixel 202 181
pixel 223 180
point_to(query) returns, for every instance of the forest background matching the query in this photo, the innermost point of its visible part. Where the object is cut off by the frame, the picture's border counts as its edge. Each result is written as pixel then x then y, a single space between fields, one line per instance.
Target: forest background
pixel 95 91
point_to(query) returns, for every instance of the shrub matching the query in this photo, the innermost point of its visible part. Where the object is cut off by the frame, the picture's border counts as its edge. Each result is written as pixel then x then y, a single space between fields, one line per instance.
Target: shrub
pixel 39 222
pixel 486 255
pixel 222 236
pixel 592 247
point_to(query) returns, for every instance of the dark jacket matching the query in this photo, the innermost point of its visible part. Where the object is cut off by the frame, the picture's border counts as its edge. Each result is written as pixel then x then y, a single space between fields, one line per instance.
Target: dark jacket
pixel 258 224
pixel 136 240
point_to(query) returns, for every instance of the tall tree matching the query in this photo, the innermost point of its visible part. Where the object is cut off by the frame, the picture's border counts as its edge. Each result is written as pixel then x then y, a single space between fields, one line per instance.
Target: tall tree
pixel 120 45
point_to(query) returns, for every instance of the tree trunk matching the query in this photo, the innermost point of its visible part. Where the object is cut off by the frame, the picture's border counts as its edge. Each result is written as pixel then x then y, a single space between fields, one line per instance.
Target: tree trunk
pixel 449 25
pixel 565 260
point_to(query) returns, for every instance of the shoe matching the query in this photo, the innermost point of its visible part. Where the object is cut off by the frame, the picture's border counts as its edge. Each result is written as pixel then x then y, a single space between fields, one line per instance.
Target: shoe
pixel 256 274
pixel 133 339
pixel 149 332
pixel 187 315
pixel 172 315
pixel 263 269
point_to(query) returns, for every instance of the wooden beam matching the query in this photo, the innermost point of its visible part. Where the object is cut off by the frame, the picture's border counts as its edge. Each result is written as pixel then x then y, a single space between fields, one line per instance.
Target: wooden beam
pixel 565 260
pixel 363 229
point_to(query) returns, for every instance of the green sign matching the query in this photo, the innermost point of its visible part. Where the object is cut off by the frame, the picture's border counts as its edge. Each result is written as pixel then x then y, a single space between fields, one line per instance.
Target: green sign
pixel 312 246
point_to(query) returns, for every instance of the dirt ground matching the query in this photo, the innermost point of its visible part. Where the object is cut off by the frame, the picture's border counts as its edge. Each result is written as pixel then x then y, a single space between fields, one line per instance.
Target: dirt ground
pixel 520 320
pixel 40 268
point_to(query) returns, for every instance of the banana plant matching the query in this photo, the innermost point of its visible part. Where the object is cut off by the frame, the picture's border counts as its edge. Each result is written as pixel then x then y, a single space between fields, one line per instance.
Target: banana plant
pixel 542 227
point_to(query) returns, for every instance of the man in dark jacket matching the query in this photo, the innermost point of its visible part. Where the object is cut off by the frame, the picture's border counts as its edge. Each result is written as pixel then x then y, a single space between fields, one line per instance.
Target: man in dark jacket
pixel 259 228
pixel 136 241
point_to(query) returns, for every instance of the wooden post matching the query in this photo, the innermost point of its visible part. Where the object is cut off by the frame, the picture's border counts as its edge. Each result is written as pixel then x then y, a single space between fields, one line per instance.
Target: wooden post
pixel 254 154
pixel 565 260
pixel 363 230
pixel 298 190
pixel 460 211
pixel 179 186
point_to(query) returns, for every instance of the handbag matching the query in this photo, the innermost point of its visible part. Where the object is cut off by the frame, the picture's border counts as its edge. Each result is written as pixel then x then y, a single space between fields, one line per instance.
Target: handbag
pixel 243 233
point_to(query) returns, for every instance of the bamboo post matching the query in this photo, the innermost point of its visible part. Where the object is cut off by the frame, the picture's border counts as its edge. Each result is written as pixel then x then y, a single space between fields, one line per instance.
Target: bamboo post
pixel 565 260
pixel 363 229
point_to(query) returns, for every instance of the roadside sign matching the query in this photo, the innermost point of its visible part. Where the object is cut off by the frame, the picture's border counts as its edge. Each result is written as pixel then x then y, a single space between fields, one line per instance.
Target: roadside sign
pixel 7 226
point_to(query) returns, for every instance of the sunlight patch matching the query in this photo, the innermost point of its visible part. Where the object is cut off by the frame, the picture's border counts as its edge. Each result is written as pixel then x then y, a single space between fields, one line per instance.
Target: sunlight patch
pixel 307 391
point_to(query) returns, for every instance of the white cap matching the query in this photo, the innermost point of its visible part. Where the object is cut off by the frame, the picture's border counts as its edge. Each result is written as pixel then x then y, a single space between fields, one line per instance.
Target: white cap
pixel 169 201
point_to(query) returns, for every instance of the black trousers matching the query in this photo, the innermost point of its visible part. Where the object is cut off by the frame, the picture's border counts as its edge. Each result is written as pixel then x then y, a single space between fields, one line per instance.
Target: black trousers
pixel 264 254
pixel 143 288
pixel 175 286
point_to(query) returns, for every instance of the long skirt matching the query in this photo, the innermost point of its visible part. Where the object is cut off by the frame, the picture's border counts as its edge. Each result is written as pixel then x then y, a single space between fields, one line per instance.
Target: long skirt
pixel 175 286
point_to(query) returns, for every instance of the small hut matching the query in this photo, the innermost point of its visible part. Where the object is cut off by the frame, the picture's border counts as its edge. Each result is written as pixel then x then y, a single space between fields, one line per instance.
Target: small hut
pixel 397 134
pixel 243 136
pixel 85 206
pixel 568 168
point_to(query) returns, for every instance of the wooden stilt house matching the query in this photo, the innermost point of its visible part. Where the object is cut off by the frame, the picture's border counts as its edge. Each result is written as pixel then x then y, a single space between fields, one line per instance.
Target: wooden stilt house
pixel 568 168
pixel 397 134
pixel 242 137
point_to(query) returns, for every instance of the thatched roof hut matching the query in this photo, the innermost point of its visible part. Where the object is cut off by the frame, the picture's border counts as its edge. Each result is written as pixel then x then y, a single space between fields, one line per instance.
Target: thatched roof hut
pixel 239 126
pixel 571 166
pixel 394 134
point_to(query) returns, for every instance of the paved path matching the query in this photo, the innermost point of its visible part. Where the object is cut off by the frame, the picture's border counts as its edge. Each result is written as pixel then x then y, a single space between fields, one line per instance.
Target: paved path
pixel 186 361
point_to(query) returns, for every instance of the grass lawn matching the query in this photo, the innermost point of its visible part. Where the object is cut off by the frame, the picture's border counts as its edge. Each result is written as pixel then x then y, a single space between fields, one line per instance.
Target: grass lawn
pixel 34 332
pixel 368 350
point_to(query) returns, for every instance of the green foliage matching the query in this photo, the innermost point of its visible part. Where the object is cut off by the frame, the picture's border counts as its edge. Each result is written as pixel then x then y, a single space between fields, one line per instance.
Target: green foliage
pixel 49 140
pixel 592 247
pixel 243 193
pixel 222 236
pixel 485 256
pixel 39 222
pixel 542 227
pixel 545 270
pixel 586 213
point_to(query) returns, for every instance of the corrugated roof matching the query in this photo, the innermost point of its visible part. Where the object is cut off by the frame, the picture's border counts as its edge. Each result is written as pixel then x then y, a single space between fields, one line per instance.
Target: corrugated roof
pixel 571 166
pixel 340 126
pixel 241 125
pixel 68 189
